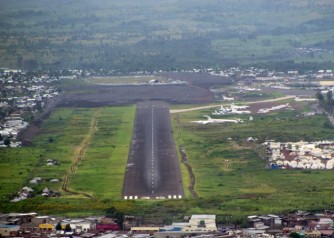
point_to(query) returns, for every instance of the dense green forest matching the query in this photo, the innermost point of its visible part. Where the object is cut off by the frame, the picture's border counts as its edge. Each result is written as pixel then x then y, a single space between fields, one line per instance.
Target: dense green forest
pixel 132 35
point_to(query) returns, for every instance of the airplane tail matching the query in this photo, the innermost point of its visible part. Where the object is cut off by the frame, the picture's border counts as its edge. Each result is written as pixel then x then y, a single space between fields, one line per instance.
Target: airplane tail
pixel 208 117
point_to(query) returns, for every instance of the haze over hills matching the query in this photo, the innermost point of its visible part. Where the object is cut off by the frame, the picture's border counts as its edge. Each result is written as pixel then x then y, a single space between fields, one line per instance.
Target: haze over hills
pixel 173 34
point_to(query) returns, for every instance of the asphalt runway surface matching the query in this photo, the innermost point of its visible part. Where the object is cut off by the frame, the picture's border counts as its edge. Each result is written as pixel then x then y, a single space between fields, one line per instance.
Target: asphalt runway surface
pixel 153 170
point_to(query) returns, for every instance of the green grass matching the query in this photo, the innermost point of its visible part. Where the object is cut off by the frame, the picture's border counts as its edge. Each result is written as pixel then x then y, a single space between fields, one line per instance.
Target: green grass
pixel 67 128
pixel 99 174
pixel 16 166
pixel 102 170
pixel 246 186
pixel 265 45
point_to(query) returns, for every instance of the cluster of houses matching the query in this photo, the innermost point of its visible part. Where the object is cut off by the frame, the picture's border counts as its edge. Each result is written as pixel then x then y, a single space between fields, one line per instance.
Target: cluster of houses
pixel 32 225
pixel 300 155
pixel 267 75
pixel 10 128
pixel 27 192
pixel 300 223
pixel 311 51
pixel 24 193
pixel 258 82
pixel 22 95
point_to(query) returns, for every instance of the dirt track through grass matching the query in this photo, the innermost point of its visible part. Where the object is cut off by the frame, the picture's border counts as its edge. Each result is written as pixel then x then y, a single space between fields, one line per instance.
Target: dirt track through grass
pixel 190 171
pixel 79 157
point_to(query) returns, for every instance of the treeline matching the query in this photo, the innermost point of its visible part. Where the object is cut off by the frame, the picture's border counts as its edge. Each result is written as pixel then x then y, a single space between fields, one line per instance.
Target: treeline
pixel 327 101
pixel 151 35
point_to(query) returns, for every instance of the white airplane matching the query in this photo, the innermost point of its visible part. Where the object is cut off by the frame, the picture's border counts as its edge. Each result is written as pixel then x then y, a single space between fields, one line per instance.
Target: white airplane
pixel 263 110
pixel 233 106
pixel 222 111
pixel 266 110
pixel 211 120
pixel 227 99
pixel 233 109
pixel 240 112
pixel 251 89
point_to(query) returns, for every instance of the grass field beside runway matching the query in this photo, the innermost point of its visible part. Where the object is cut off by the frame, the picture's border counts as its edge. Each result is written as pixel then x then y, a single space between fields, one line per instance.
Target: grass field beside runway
pixel 100 172
pixel 245 185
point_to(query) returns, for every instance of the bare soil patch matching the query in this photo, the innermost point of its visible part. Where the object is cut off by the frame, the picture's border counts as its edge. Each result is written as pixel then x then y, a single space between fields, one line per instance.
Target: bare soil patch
pixel 26 135
pixel 122 95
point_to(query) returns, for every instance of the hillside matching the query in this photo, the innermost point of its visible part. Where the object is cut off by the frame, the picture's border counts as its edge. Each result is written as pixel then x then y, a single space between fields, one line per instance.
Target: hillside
pixel 172 34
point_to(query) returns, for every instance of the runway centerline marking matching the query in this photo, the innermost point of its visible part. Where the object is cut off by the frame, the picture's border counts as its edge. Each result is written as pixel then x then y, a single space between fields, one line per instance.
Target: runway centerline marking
pixel 152 157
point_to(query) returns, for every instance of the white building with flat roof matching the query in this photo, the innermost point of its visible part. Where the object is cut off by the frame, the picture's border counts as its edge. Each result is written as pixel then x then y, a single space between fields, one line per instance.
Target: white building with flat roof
pixel 204 223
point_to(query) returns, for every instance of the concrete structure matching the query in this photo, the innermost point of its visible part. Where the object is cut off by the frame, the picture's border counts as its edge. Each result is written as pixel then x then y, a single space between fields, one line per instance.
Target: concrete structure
pixel 7 230
pixel 46 227
pixel 79 225
pixel 206 223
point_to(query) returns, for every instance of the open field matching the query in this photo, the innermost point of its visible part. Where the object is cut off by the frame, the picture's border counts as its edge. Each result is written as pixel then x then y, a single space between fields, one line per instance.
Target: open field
pixel 16 166
pixel 244 185
pixel 101 169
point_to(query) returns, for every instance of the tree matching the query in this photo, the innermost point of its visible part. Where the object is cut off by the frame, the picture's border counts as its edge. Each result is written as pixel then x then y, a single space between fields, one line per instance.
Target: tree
pixel 6 142
pixel 58 227
pixel 114 213
pixel 201 223
pixel 328 124
pixel 68 228
pixel 295 235
pixel 329 97
pixel 320 97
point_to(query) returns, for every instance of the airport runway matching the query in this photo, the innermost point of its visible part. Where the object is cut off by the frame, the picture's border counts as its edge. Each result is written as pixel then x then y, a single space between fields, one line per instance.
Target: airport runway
pixel 153 170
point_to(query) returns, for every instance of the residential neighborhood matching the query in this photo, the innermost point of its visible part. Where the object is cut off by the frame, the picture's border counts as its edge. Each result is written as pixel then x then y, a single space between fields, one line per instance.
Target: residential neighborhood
pixel 302 223
pixel 300 155
pixel 23 96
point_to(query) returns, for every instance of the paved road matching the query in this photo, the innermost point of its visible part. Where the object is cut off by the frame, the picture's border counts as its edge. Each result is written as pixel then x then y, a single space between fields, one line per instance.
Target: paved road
pixel 153 170
pixel 223 103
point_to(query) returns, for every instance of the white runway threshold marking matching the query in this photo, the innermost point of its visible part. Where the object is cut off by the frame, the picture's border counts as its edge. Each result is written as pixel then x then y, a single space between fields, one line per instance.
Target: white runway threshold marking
pixel 134 197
